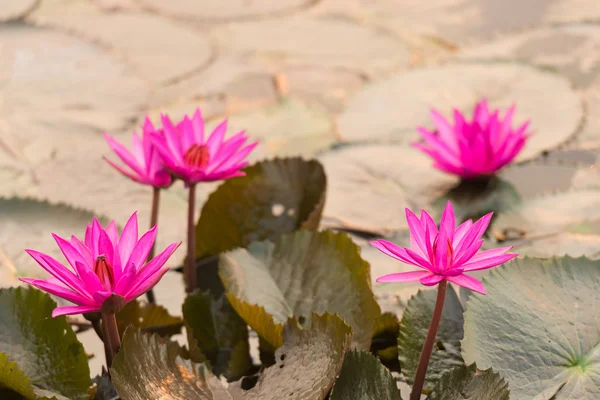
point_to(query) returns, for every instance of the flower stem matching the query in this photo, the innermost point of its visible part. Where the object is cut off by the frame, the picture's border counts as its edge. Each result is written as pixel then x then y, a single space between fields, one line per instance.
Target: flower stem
pixel 153 222
pixel 190 263
pixel 429 341
pixel 110 333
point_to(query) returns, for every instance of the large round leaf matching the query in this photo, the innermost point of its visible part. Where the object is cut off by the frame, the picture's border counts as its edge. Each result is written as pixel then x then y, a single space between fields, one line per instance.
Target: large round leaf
pixel 369 186
pixel 16 9
pixel 13 379
pixel 147 368
pixel 28 223
pixel 149 318
pixel 45 349
pixel 548 214
pixel 543 97
pixel 537 328
pixel 306 366
pixel 292 42
pixel 275 197
pixel 302 273
pixel 363 377
pixel 219 333
pixel 469 383
pixel 413 331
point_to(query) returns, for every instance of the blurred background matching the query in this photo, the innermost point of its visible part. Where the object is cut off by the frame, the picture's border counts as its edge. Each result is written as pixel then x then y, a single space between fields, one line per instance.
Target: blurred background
pixel 344 81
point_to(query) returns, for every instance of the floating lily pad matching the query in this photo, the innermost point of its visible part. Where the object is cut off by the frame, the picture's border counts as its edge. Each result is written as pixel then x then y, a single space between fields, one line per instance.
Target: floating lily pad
pixel 543 97
pixel 292 42
pixel 307 365
pixel 385 339
pixel 37 64
pixel 148 368
pixel 559 244
pixel 16 9
pixel 470 383
pixel 45 349
pixel 220 334
pixel 149 318
pixel 302 273
pixel 536 328
pixel 363 377
pixel 159 48
pixel 548 214
pixel 413 331
pixel 28 223
pixel 13 379
pixel 369 186
pixel 276 196
pixel 287 128
pixel 571 49
pixel 226 9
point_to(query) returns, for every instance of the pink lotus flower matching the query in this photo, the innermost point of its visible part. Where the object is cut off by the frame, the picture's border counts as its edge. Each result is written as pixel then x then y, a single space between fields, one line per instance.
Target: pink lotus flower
pixel 446 253
pixel 476 148
pixel 104 264
pixel 145 164
pixel 191 157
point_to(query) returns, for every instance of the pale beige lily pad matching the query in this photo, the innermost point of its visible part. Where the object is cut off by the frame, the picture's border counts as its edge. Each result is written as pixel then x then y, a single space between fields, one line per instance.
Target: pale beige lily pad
pixel 53 90
pixel 560 244
pixel 224 9
pixel 574 50
pixel 323 42
pixel 369 186
pixel 16 9
pixel 548 214
pixel 160 49
pixel 390 110
pixel 287 128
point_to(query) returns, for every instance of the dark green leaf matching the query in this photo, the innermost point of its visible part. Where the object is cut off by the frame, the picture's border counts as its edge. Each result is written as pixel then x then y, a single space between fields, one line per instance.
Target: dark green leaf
pixel 11 377
pixel 538 327
pixel 413 330
pixel 473 199
pixel 307 364
pixel 148 367
pixel 220 334
pixel 150 318
pixel 363 377
pixel 45 349
pixel 469 383
pixel 276 196
pixel 304 272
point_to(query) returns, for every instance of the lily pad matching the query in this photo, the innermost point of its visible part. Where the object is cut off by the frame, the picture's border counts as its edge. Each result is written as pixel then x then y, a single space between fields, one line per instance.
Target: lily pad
pixel 385 339
pixel 470 383
pixel 38 63
pixel 363 377
pixel 534 328
pixel 16 9
pixel 302 273
pixel 369 186
pixel 568 242
pixel 224 10
pixel 14 379
pixel 413 331
pixel 307 364
pixel 291 42
pixel 148 368
pixel 276 196
pixel 45 349
pixel 287 128
pixel 543 97
pixel 159 48
pixel 548 214
pixel 220 334
pixel 149 318
pixel 27 223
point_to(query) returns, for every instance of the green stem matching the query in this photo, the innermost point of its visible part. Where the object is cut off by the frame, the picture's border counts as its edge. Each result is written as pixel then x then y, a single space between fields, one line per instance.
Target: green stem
pixel 153 222
pixel 429 342
pixel 190 263
pixel 110 333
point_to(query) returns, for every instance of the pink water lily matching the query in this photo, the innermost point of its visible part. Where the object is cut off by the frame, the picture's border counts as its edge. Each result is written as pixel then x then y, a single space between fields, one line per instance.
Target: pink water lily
pixel 194 158
pixel 145 165
pixel 473 148
pixel 105 263
pixel 446 253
